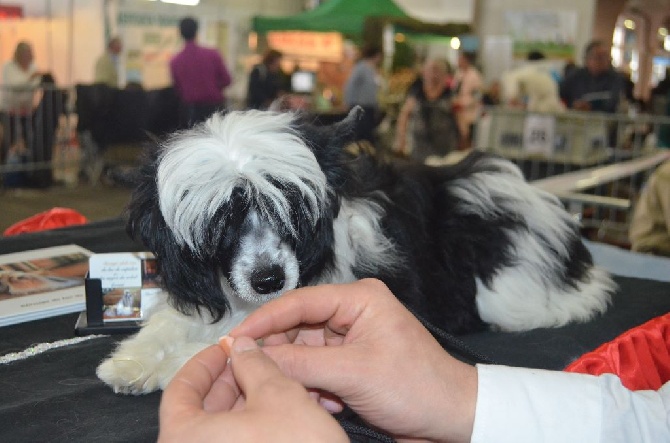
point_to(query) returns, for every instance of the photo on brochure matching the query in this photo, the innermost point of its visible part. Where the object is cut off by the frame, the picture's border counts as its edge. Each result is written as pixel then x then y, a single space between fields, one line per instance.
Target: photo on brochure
pixel 42 275
pixel 129 284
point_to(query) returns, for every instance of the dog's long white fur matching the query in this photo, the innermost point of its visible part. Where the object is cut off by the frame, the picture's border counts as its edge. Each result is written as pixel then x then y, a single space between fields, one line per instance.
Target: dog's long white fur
pixel 200 169
pixel 522 297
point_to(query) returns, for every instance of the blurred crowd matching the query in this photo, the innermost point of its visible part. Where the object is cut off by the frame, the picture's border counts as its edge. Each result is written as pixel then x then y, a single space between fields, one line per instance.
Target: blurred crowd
pixel 435 114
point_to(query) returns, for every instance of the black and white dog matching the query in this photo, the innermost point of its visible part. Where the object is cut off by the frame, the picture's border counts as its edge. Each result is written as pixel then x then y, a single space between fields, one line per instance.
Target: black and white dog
pixel 248 205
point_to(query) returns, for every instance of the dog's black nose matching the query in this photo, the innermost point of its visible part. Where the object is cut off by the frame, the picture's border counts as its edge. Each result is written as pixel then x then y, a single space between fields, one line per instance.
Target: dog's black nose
pixel 267 280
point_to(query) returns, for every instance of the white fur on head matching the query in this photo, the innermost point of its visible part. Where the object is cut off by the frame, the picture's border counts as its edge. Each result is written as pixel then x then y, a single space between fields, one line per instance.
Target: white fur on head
pixel 199 169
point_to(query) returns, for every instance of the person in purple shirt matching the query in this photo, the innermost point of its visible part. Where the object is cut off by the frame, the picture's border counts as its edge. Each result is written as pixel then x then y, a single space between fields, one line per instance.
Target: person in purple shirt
pixel 199 76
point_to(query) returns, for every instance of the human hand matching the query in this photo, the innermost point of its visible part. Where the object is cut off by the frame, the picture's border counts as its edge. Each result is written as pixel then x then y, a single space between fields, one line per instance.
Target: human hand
pixel 361 344
pixel 207 400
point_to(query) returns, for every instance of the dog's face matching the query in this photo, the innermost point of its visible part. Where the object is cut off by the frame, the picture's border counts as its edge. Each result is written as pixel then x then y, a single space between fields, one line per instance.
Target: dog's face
pixel 241 207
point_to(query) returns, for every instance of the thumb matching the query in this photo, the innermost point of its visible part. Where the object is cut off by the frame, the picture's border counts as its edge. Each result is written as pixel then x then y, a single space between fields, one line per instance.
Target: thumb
pixel 252 369
pixel 330 368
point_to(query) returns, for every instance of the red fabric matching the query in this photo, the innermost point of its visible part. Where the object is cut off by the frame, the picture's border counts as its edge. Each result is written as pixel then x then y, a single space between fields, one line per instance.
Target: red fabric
pixel 639 356
pixel 51 219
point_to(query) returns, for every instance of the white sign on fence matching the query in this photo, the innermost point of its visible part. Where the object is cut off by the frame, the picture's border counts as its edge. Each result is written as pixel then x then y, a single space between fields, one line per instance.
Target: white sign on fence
pixel 538 134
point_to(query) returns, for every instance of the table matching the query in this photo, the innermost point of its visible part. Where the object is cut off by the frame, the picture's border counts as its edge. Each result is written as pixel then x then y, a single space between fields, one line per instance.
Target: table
pixel 56 396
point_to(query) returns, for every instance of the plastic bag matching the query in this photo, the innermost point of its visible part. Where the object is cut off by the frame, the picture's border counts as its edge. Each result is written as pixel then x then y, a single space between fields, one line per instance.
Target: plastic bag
pixel 51 219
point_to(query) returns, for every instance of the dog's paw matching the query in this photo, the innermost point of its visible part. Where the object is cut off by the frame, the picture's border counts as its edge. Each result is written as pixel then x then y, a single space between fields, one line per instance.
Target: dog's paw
pixel 126 375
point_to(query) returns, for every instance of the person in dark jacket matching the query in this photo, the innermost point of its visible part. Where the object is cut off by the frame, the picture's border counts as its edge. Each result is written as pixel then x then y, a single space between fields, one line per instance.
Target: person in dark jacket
pixel 266 81
pixel 596 86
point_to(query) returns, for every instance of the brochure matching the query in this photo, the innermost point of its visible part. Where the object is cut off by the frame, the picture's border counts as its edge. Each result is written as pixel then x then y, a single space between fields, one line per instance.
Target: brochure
pixel 129 284
pixel 42 283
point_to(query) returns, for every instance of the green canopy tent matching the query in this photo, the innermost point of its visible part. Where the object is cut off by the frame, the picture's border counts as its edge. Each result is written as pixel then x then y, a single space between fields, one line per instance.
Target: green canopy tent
pixel 359 20
pixel 344 16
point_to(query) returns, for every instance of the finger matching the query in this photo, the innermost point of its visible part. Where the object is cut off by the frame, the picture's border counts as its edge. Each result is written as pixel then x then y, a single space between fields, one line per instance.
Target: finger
pixel 338 305
pixel 332 369
pixel 281 338
pixel 331 404
pixel 223 389
pixel 191 385
pixel 254 371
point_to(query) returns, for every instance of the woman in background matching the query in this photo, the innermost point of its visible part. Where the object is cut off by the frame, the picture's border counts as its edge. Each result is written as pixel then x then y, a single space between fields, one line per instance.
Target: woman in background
pixel 468 85
pixel 426 124
pixel 19 81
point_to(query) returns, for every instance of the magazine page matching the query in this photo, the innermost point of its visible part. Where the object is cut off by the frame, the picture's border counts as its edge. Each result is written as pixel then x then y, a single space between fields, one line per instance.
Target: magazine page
pixel 42 283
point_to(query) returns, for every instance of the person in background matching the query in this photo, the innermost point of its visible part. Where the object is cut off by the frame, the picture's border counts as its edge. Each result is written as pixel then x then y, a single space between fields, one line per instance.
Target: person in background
pixel 107 65
pixel 629 86
pixel 199 76
pixel 20 79
pixel 596 86
pixel 266 81
pixel 426 124
pixel 361 89
pixel 650 227
pixel 663 87
pixel 532 86
pixel 468 85
pixel 46 121
pixel 660 99
pixel 492 95
pixel 356 345
pixel 569 67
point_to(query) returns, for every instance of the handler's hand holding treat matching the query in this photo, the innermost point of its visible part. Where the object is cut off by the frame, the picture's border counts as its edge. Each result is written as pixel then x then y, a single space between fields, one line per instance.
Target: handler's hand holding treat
pixel 364 347
pixel 246 399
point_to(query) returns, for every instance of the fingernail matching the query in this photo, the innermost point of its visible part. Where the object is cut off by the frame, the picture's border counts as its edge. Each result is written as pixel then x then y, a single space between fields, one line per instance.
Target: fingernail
pixel 331 406
pixel 243 344
pixel 226 342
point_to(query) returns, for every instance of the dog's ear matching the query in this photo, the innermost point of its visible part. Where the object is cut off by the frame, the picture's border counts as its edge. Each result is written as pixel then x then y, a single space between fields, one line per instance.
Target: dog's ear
pixel 337 135
pixel 346 129
pixel 192 281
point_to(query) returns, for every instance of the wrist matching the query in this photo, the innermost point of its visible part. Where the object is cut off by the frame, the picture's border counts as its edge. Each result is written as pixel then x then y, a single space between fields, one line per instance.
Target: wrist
pixel 455 415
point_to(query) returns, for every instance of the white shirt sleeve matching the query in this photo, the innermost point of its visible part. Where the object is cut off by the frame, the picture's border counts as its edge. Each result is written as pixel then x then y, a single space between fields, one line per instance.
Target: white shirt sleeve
pixel 532 405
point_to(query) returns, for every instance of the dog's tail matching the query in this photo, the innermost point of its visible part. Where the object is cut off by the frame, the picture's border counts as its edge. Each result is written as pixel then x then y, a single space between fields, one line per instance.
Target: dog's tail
pixel 548 278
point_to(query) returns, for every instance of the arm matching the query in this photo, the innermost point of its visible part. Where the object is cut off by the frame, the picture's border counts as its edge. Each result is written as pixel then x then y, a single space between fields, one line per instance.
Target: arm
pixel 649 229
pixel 663 187
pixel 529 405
pixel 360 344
pixel 400 144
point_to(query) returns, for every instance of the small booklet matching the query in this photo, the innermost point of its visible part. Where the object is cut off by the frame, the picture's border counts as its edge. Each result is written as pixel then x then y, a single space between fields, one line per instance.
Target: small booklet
pixel 42 283
pixel 129 284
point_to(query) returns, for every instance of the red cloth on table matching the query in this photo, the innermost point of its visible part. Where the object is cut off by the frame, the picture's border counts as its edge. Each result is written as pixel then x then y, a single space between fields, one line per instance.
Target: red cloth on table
pixel 639 356
pixel 51 219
